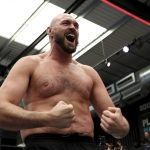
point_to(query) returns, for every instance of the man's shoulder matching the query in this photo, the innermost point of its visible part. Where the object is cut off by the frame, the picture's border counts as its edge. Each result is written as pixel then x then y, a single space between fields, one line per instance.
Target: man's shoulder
pixel 28 63
pixel 86 67
pixel 32 59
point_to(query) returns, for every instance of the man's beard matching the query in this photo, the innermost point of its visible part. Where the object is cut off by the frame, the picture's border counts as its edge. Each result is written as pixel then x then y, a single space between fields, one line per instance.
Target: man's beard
pixel 61 41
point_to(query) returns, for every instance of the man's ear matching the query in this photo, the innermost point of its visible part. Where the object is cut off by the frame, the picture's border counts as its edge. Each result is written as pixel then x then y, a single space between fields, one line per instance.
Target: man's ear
pixel 48 30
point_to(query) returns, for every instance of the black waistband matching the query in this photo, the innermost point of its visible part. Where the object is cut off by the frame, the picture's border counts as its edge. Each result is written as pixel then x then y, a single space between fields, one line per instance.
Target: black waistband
pixel 67 137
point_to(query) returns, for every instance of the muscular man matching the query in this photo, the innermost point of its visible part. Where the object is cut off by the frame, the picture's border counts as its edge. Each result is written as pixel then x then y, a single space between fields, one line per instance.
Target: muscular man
pixel 57 91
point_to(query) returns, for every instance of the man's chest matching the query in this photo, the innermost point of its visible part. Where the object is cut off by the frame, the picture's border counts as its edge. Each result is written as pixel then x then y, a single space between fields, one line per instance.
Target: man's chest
pixel 55 81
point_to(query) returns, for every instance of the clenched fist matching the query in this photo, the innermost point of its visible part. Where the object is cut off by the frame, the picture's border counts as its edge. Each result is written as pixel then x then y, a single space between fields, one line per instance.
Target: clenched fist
pixel 113 122
pixel 62 115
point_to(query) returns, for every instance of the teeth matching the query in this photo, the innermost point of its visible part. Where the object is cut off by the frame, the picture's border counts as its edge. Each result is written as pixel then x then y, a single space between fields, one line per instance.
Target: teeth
pixel 72 35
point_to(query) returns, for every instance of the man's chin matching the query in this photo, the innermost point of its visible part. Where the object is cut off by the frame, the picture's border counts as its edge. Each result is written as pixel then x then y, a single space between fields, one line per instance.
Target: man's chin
pixel 70 51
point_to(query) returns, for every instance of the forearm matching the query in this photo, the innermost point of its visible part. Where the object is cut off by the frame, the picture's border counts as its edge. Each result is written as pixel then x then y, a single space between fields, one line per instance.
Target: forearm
pixel 13 117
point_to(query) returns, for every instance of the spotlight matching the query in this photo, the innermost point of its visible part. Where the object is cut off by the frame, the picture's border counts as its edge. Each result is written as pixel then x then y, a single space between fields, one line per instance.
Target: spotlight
pixel 126 49
pixel 107 63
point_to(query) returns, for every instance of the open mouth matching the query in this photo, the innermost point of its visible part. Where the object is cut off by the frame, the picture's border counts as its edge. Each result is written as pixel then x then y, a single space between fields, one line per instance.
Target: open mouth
pixel 70 37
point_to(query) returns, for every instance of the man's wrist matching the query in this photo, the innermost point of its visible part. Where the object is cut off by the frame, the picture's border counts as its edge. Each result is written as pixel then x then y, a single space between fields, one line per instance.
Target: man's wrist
pixel 124 130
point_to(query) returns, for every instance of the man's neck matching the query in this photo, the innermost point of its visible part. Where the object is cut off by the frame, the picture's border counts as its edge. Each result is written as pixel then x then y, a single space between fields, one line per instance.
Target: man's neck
pixel 60 55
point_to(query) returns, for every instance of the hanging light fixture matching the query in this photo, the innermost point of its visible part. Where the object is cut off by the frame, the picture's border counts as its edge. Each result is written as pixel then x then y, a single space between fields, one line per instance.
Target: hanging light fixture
pixel 108 63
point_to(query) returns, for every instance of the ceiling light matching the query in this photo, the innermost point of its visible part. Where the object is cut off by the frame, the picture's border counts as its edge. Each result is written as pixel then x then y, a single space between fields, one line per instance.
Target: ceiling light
pixel 18 14
pixel 126 49
pixel 42 43
pixel 108 64
pixel 85 41
pixel 38 24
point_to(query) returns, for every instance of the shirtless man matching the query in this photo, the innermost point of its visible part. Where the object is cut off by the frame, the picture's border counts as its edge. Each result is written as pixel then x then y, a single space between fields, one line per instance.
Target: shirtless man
pixel 57 91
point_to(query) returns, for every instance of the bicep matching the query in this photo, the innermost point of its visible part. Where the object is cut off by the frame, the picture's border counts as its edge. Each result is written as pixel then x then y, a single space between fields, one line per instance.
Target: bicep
pixel 15 85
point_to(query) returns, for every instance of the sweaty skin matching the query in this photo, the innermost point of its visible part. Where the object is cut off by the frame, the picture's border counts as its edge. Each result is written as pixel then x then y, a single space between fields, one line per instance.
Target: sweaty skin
pixel 57 90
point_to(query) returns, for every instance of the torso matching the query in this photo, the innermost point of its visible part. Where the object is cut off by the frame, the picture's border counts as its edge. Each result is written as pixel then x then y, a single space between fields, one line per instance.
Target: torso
pixel 52 82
